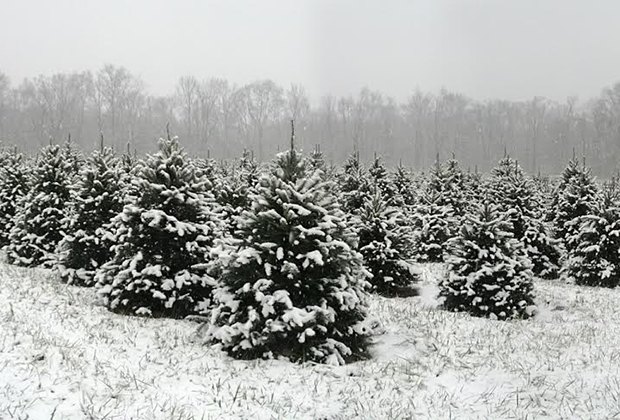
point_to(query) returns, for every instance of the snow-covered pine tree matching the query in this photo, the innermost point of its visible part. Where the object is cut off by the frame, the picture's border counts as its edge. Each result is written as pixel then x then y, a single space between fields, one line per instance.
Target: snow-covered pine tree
pixel 404 186
pixel 14 184
pixel 316 160
pixel 594 259
pixel 447 181
pixel 438 211
pixel 385 242
pixel 98 197
pixel 380 180
pixel 353 184
pixel 292 283
pixel 434 223
pixel 489 273
pixel 162 239
pixel 575 196
pixel 37 228
pixel 474 188
pixel 515 196
pixel 234 188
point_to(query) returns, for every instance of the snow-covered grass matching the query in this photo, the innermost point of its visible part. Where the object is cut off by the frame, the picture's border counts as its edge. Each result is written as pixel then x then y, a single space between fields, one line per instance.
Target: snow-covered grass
pixel 62 356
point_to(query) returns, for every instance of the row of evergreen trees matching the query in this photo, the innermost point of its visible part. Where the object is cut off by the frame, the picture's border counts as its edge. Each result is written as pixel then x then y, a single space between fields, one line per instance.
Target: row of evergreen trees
pixel 281 256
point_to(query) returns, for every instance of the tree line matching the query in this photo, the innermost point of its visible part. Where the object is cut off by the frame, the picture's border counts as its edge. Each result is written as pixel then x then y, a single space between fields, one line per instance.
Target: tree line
pixel 221 119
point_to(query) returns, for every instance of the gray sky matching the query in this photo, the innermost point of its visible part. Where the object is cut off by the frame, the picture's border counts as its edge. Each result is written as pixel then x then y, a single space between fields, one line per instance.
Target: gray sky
pixel 509 49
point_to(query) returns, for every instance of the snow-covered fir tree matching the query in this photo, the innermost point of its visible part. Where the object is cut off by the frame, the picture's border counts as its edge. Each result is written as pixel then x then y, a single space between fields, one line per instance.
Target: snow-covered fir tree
pixel 489 272
pixel 473 186
pixel 353 184
pixel 385 242
pixel 292 283
pixel 381 181
pixel 37 227
pixel 448 182
pixel 515 195
pixel 405 187
pixel 594 258
pixel 233 189
pixel 14 184
pixel 434 223
pixel 98 197
pixel 438 211
pixel 576 196
pixel 316 160
pixel 162 239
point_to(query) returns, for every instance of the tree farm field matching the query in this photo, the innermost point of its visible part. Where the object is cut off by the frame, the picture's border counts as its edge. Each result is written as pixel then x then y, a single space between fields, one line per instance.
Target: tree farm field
pixel 64 356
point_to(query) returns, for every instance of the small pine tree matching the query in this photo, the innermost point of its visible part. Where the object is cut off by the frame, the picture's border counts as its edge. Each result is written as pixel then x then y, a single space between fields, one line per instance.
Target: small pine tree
pixel 234 188
pixel 37 228
pixel 515 196
pixel 406 192
pixel 381 181
pixel 447 181
pixel 385 242
pixel 575 196
pixel 353 184
pixel 292 283
pixel 489 271
pixel 594 259
pixel 97 199
pixel 434 223
pixel 317 160
pixel 14 178
pixel 162 239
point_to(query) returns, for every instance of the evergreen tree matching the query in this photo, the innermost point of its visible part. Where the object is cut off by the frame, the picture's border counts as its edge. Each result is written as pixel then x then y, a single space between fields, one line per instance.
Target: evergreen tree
pixel 473 186
pixel 234 188
pixel 594 259
pixel 98 197
pixel 576 196
pixel 14 178
pixel 489 271
pixel 381 181
pixel 317 160
pixel 434 223
pixel 162 238
pixel 292 283
pixel 515 196
pixel 447 181
pixel 37 227
pixel 406 191
pixel 385 241
pixel 353 184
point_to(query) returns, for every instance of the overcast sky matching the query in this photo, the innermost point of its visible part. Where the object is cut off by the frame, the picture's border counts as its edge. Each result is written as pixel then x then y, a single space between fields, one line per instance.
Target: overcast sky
pixel 509 49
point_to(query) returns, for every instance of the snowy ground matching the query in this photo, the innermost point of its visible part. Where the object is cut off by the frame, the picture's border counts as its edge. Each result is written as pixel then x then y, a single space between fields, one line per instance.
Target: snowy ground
pixel 64 357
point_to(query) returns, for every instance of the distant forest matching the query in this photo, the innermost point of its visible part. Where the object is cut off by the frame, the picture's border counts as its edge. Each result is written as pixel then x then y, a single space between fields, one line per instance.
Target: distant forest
pixel 218 118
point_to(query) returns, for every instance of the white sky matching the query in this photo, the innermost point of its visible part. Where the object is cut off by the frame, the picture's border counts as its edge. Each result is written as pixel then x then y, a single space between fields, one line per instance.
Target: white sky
pixel 509 49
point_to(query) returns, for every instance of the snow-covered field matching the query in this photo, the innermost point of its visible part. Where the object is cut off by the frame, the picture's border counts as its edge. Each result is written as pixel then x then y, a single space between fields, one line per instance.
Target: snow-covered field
pixel 62 356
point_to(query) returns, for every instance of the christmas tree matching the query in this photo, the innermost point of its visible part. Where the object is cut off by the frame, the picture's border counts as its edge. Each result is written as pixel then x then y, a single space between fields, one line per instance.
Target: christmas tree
pixel 97 199
pixel 292 283
pixel 37 228
pixel 404 186
pixel 353 184
pixel 515 196
pixel 14 178
pixel 161 240
pixel 594 259
pixel 385 242
pixel 234 188
pixel 575 196
pixel 381 181
pixel 447 181
pixel 434 223
pixel 317 160
pixel 489 271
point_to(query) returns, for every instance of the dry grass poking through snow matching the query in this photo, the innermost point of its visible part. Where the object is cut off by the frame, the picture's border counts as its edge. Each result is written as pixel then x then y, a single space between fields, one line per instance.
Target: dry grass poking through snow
pixel 63 357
